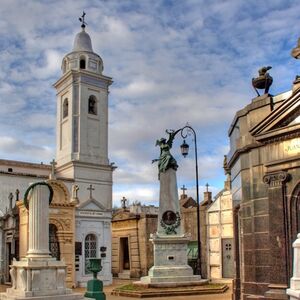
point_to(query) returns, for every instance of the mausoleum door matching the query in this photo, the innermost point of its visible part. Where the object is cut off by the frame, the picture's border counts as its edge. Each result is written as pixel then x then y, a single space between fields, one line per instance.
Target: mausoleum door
pixel 227 258
pixel 90 250
pixel 53 242
pixel 124 254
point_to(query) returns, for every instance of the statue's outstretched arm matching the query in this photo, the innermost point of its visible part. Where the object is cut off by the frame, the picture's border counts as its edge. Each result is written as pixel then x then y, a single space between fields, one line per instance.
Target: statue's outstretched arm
pixel 172 134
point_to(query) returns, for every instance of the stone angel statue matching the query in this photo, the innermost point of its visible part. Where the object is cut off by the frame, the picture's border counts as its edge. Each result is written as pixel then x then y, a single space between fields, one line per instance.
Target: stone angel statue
pixel 166 160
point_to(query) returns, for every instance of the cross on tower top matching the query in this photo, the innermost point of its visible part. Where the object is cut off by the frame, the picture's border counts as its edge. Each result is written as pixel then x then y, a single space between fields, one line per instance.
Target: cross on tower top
pixel 81 19
pixel 124 201
pixel 91 189
pixel 207 185
pixel 183 188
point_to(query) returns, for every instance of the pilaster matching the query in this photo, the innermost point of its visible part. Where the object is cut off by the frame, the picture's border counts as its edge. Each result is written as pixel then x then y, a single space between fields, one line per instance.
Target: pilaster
pixel 277 234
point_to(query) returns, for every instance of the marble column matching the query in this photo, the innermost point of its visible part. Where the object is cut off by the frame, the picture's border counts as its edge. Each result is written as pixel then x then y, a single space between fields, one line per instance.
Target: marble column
pixel 39 222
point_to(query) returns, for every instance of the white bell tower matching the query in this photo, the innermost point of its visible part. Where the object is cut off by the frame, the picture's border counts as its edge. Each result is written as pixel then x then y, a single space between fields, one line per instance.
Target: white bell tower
pixel 82 106
pixel 82 121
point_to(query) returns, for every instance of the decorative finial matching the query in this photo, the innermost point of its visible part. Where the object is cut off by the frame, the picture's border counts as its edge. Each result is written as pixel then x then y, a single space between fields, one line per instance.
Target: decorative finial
pixel 296 54
pixel 75 189
pixel 10 198
pixel 207 185
pixel 53 163
pixel 296 51
pixel 81 19
pixel 17 194
pixel 263 81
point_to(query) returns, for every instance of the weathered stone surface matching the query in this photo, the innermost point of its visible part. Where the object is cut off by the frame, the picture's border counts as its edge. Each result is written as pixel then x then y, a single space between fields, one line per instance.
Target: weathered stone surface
pixel 38 275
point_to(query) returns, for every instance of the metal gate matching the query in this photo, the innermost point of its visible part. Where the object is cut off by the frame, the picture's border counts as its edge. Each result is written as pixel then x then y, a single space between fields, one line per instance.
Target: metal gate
pixel 227 258
pixel 53 242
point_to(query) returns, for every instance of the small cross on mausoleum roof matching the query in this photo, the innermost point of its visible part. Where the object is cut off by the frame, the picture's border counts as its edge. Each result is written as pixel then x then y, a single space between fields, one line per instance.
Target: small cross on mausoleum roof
pixel 183 188
pixel 124 201
pixel 207 185
pixel 91 189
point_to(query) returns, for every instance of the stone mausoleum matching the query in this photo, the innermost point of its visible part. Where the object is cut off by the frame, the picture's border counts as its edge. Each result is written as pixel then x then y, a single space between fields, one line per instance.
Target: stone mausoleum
pixel 132 252
pixel 264 164
pixel 220 242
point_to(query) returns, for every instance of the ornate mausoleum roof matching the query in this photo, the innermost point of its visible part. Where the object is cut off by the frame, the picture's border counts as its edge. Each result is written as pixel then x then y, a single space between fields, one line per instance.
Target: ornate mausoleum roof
pixel 82 42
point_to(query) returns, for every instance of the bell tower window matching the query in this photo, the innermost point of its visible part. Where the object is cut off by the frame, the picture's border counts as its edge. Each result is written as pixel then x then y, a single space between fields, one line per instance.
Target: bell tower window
pixel 82 63
pixel 65 108
pixel 92 105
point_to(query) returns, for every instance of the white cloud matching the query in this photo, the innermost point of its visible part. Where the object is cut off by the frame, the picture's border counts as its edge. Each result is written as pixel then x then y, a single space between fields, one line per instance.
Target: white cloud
pixel 171 63
pixel 24 151
pixel 50 65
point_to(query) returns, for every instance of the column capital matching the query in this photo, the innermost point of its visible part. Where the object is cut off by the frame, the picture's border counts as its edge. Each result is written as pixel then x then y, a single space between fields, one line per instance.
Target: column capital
pixel 277 178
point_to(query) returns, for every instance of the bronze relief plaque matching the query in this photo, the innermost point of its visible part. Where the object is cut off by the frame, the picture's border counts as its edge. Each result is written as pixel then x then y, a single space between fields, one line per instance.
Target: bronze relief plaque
pixel 169 217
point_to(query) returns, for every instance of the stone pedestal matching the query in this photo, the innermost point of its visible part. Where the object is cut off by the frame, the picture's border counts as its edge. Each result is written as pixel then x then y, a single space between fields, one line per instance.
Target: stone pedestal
pixel 33 278
pixel 170 244
pixel 39 276
pixel 170 263
pixel 294 290
pixel 168 202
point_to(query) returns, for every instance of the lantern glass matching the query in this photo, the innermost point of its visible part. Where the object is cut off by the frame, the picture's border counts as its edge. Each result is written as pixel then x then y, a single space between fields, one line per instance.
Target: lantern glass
pixel 184 148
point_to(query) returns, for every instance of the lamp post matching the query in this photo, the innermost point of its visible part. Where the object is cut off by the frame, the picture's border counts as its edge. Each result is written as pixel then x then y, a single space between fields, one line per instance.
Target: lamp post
pixel 184 131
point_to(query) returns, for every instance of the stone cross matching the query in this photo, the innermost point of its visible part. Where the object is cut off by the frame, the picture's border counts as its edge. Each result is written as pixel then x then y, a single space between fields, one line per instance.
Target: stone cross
pixel 10 198
pixel 53 163
pixel 91 189
pixel 124 201
pixel 183 189
pixel 207 185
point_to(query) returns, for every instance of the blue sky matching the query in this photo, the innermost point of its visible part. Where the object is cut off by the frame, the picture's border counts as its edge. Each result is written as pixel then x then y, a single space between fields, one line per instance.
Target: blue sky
pixel 172 62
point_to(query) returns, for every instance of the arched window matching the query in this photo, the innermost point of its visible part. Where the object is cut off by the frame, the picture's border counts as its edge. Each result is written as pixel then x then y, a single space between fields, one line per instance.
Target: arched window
pixel 92 105
pixel 53 242
pixel 65 108
pixel 90 247
pixel 82 62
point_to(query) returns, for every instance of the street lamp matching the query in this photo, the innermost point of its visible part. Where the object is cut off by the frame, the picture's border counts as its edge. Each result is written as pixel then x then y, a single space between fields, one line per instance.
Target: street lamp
pixel 184 148
pixel 184 131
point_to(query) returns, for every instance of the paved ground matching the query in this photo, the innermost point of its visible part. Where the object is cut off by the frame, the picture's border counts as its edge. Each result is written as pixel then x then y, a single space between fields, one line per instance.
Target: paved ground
pixel 108 289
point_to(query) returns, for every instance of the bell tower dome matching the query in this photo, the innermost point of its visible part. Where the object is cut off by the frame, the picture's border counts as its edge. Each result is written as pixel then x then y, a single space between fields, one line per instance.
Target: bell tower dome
pixel 82 107
pixel 82 56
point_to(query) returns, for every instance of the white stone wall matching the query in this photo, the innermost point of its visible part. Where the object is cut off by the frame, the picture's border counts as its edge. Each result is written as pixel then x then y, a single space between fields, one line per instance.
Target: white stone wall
pixel 101 228
pixel 219 225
